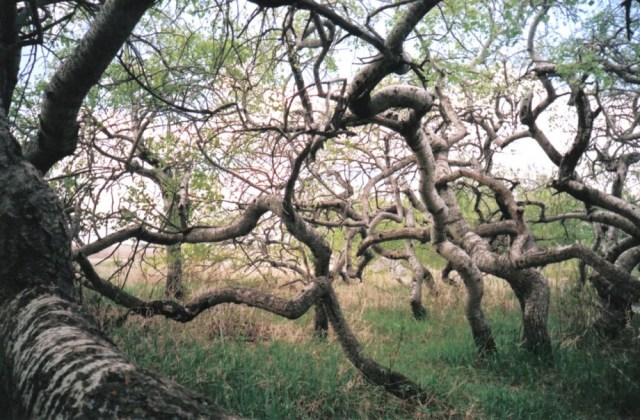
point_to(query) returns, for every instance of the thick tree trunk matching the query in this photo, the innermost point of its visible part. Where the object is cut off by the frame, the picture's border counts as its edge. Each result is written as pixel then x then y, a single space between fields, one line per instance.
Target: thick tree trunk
pixel 615 310
pixel 532 290
pixel 474 284
pixel 53 360
pixel 55 363
pixel 534 320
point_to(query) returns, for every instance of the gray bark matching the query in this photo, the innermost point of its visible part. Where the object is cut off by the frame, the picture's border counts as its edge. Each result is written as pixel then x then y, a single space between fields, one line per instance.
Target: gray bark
pixel 58 131
pixel 53 360
pixel 365 103
pixel 474 284
pixel 532 290
pixel 529 285
pixel 614 316
pixel 174 286
pixel 419 273
pixel 176 221
pixel 614 285
pixel 55 363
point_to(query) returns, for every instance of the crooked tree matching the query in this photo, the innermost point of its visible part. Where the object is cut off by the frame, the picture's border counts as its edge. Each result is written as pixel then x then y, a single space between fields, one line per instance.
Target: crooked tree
pixel 401 142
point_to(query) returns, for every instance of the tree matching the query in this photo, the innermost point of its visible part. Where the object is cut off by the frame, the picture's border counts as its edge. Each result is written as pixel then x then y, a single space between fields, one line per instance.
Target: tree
pixel 45 335
pixel 596 80
pixel 395 152
pixel 43 329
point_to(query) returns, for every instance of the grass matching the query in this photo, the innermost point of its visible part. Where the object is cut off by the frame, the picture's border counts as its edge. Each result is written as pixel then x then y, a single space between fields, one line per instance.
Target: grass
pixel 260 366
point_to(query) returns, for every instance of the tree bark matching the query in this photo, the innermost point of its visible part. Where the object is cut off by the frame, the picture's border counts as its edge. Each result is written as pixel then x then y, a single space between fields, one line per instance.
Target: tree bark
pixel 58 131
pixel 418 275
pixel 532 291
pixel 10 52
pixel 53 360
pixel 174 286
pixel 474 284
pixel 418 271
pixel 320 323
pixel 615 310
pixel 613 317
pixel 55 363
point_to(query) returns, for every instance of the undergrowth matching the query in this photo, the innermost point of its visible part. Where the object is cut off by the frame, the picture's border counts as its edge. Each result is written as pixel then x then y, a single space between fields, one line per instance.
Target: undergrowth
pixel 260 366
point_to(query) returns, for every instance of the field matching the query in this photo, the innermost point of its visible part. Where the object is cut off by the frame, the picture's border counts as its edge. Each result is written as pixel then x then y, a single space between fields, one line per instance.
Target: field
pixel 260 366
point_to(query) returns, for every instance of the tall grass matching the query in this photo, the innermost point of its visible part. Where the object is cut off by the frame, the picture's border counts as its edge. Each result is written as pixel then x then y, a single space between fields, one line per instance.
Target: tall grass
pixel 260 366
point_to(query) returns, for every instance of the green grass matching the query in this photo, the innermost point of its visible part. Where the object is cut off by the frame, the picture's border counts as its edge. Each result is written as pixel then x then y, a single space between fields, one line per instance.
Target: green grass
pixel 262 379
pixel 259 366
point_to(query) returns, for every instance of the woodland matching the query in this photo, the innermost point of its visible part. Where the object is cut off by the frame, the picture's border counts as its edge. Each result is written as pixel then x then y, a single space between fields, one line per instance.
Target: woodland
pixel 167 162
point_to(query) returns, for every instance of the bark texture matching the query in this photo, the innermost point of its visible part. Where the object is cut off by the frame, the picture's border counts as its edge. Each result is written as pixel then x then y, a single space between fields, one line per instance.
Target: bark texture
pixel 174 284
pixel 34 242
pixel 55 363
pixel 532 291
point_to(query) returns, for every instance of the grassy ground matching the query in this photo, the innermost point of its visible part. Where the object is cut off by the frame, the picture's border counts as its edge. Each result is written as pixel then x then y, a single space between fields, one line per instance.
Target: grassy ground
pixel 260 366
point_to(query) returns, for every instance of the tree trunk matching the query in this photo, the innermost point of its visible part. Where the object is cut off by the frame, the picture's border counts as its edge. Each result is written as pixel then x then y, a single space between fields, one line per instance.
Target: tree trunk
pixel 320 323
pixel 419 272
pixel 417 278
pixel 174 286
pixel 53 360
pixel 55 363
pixel 615 311
pixel 417 308
pixel 474 284
pixel 614 316
pixel 532 290
pixel 534 320
pixel 482 335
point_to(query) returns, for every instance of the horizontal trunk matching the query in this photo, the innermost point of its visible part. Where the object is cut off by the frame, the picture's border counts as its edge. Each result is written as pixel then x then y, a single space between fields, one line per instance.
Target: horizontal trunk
pixel 55 363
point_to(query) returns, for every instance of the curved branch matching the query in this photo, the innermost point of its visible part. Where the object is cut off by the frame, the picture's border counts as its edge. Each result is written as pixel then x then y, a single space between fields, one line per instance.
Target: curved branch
pixel 374 238
pixel 328 13
pixel 583 135
pixel 58 132
pixel 598 216
pixel 395 383
pixel 318 290
pixel 593 196
pixel 241 227
pixel 290 309
pixel 610 271
pixel 393 59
